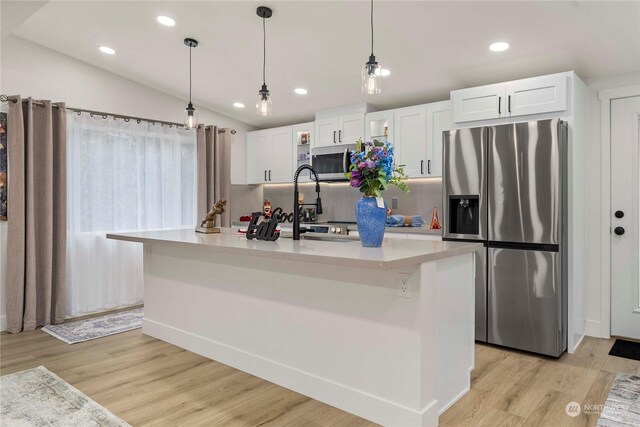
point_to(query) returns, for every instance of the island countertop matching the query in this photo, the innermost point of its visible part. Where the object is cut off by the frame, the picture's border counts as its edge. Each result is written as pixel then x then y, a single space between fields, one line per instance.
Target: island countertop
pixel 392 255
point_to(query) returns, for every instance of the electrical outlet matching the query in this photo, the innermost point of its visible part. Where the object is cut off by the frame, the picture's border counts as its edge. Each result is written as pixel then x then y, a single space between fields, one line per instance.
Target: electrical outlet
pixel 394 203
pixel 404 285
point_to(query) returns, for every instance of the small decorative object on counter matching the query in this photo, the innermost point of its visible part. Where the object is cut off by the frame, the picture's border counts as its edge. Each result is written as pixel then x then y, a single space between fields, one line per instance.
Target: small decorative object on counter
pixel 435 223
pixel 372 169
pixel 266 230
pixel 208 224
pixel 266 208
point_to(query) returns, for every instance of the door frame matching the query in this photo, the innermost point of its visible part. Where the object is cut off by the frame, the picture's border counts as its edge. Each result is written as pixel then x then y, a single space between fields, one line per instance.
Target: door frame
pixel 605 97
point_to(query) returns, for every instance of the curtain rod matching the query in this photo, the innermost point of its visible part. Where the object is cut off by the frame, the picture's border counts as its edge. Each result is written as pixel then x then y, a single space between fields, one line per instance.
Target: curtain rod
pixel 5 98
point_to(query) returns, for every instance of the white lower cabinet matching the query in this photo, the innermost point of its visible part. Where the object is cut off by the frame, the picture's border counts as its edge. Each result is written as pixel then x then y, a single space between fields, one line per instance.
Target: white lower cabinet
pixel 270 156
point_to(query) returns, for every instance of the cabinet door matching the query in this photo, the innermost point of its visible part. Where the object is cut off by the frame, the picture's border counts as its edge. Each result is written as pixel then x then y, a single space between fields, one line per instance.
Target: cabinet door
pixel 478 103
pixel 258 156
pixel 378 126
pixel 326 132
pixel 351 127
pixel 281 165
pixel 438 121
pixel 536 95
pixel 410 139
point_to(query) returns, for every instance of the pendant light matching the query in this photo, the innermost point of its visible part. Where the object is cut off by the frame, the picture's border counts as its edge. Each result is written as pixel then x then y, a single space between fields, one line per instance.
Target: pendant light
pixel 371 72
pixel 263 104
pixel 190 113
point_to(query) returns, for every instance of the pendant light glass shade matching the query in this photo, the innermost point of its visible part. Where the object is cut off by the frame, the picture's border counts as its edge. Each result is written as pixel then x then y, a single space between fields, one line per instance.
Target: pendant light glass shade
pixel 371 77
pixel 190 117
pixel 190 113
pixel 263 104
pixel 371 72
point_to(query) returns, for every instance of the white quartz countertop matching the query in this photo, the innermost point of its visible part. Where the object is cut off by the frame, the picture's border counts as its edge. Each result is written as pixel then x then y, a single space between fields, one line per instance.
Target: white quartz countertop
pixel 393 254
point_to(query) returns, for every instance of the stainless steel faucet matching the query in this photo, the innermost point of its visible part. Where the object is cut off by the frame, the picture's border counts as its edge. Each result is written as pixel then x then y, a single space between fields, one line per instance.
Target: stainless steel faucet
pixel 296 205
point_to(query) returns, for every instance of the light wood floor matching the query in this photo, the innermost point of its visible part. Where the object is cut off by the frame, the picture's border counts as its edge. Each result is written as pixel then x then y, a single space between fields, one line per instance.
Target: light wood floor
pixel 151 383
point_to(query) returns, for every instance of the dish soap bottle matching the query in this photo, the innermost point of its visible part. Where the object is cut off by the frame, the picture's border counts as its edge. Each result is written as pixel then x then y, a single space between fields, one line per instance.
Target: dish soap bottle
pixel 435 223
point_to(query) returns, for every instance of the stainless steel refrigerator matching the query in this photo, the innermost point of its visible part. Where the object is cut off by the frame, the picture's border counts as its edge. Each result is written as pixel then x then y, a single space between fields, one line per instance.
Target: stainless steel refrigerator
pixel 506 186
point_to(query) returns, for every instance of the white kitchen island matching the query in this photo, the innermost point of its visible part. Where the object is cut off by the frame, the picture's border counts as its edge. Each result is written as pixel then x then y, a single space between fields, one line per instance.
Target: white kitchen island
pixel 326 319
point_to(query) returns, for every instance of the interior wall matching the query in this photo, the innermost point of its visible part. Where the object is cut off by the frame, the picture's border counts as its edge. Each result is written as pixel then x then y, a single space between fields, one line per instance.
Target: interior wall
pixel 339 199
pixel 594 186
pixel 28 69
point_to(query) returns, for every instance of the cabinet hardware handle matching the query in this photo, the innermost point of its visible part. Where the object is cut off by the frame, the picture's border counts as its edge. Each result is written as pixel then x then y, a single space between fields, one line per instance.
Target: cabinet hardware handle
pixel 421 167
pixel 509 102
pixel 265 174
pixel 499 105
pixel 340 135
pixel 428 167
pixel 269 174
pixel 619 231
pixel 334 136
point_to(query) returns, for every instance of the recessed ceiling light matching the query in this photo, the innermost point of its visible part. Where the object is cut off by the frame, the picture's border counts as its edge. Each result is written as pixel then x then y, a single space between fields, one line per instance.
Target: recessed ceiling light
pixel 499 46
pixel 165 20
pixel 107 50
pixel 383 72
pixel 300 91
pixel 238 104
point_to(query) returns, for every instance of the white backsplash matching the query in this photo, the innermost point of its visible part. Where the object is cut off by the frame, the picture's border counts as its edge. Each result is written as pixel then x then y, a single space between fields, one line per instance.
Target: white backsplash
pixel 338 199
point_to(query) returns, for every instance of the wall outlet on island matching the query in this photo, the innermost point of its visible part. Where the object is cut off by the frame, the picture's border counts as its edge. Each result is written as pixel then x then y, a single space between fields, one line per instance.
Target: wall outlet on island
pixel 404 285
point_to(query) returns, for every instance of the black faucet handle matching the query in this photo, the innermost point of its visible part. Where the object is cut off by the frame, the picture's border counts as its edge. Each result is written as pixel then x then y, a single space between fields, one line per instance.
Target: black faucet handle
pixel 318 206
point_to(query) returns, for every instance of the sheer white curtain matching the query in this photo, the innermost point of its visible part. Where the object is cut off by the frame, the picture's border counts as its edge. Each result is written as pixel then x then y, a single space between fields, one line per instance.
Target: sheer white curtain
pixel 122 176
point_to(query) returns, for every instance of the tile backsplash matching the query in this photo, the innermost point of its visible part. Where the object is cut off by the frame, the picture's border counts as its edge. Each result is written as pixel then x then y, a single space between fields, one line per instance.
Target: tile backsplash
pixel 338 199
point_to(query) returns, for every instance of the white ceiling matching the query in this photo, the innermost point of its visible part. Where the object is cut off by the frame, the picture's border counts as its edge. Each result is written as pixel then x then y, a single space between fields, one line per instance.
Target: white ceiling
pixel 430 47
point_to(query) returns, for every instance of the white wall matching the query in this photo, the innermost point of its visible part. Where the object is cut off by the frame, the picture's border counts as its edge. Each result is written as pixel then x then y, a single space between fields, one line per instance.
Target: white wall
pixel 594 214
pixel 28 69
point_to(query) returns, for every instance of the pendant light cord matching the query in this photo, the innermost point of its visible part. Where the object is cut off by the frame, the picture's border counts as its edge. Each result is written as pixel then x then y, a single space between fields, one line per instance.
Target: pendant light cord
pixel 371 27
pixel 264 51
pixel 190 49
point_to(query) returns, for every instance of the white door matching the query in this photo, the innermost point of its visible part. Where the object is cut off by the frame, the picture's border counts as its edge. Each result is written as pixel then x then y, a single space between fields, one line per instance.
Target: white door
pixel 281 166
pixel 536 95
pixel 438 121
pixel 478 103
pixel 625 207
pixel 410 140
pixel 326 132
pixel 258 156
pixel 351 128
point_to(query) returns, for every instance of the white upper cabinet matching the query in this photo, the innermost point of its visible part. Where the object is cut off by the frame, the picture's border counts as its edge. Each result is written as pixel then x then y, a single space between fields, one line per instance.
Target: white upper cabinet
pixel 478 103
pixel 438 121
pixel 339 130
pixel 410 139
pixel 281 169
pixel 350 128
pixel 536 95
pixel 326 132
pixel 270 156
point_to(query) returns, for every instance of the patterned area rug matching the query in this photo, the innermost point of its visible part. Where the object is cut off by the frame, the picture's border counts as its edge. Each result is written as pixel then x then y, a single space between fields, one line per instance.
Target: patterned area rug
pixel 622 408
pixel 97 327
pixel 38 397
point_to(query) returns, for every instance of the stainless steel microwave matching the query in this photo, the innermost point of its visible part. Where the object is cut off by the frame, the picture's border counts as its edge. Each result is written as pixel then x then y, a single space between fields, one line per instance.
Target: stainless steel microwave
pixel 331 165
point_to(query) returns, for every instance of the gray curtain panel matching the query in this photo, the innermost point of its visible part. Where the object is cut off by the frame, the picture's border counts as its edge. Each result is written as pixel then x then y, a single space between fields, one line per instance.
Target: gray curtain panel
pixel 214 170
pixel 37 214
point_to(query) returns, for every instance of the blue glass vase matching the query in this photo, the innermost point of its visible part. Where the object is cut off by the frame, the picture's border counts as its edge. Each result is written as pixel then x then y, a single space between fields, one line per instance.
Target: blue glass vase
pixel 371 222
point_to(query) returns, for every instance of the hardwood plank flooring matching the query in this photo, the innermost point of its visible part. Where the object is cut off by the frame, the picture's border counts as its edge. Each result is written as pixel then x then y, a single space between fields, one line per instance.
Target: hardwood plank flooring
pixel 148 382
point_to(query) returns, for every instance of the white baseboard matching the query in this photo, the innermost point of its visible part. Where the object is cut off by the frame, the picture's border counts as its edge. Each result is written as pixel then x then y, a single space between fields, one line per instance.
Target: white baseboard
pixel 3 323
pixel 346 398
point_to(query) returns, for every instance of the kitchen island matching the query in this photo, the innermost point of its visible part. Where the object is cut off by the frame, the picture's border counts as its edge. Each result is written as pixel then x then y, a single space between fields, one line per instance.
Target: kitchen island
pixel 384 333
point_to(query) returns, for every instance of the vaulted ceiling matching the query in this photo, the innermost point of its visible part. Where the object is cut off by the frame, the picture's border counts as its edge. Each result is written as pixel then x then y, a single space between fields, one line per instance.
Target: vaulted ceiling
pixel 430 47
